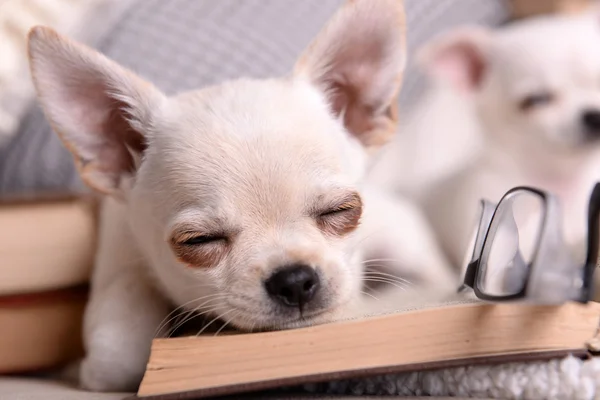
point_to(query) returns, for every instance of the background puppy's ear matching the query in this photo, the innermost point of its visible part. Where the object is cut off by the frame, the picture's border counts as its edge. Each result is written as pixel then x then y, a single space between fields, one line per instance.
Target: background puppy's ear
pixel 458 58
pixel 357 60
pixel 99 109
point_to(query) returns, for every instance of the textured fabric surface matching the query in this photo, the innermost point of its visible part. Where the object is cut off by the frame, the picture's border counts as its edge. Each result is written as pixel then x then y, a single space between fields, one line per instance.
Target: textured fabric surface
pixel 40 389
pixel 14 388
pixel 569 378
pixel 185 44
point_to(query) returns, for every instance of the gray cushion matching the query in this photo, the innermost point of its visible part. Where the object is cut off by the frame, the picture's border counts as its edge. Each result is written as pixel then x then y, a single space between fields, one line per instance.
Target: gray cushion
pixel 185 44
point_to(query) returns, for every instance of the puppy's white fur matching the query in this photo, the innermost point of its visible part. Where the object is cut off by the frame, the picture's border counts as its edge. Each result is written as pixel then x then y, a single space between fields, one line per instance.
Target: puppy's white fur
pixel 254 164
pixel 519 94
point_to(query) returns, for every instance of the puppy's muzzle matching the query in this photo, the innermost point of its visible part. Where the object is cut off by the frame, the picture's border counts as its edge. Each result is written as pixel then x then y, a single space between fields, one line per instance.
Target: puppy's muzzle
pixel 591 122
pixel 294 285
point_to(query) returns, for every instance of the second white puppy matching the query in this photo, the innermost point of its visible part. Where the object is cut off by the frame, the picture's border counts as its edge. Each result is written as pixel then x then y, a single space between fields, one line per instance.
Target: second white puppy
pixel 522 107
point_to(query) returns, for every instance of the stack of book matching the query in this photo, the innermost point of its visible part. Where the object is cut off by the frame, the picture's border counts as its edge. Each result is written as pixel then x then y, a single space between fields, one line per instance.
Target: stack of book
pixel 46 255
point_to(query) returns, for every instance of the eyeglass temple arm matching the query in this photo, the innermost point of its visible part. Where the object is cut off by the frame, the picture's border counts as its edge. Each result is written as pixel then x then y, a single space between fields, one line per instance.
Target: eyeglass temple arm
pixel 593 239
pixel 487 212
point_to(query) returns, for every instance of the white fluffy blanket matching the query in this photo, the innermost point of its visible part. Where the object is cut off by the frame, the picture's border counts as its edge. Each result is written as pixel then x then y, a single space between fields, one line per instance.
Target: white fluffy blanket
pixel 562 379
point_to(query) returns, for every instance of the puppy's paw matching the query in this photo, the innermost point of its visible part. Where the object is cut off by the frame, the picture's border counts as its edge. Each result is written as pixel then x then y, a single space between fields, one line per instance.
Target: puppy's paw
pixel 116 359
pixel 120 322
pixel 101 375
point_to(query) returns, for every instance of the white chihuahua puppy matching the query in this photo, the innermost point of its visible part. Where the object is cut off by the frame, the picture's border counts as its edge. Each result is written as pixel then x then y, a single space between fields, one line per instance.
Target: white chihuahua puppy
pixel 532 91
pixel 245 201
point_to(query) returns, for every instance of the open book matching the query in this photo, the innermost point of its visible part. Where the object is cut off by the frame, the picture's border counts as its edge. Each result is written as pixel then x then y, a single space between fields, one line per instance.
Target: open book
pixel 450 335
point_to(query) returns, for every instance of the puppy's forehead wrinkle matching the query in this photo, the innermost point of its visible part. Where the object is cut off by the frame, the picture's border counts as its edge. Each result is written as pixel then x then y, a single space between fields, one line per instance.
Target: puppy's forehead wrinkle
pixel 567 44
pixel 250 107
pixel 247 164
pixel 244 117
pixel 261 146
pixel 556 57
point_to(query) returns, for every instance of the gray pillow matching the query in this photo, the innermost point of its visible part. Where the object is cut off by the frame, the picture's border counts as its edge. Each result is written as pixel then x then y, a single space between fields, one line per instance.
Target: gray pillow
pixel 185 44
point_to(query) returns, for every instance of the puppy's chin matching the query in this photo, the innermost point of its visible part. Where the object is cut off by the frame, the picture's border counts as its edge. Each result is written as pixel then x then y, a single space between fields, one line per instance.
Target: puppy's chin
pixel 566 147
pixel 572 145
pixel 270 320
pixel 584 143
pixel 300 321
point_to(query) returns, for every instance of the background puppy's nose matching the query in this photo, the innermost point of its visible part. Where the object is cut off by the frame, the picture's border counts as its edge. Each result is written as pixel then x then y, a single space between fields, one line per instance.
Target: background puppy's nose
pixel 591 120
pixel 294 285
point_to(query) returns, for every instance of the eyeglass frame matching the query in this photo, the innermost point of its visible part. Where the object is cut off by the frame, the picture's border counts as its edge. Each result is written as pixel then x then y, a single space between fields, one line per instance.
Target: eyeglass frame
pixel 550 232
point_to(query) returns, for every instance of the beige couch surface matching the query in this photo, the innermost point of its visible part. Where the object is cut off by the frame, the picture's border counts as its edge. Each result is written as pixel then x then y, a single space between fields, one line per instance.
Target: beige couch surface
pixel 37 389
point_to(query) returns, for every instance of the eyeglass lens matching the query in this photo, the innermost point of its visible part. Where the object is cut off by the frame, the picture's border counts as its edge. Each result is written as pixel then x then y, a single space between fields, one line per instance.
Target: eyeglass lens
pixel 511 244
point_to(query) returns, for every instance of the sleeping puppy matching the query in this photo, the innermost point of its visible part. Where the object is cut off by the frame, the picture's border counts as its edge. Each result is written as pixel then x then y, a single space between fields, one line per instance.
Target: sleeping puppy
pixel 527 97
pixel 244 201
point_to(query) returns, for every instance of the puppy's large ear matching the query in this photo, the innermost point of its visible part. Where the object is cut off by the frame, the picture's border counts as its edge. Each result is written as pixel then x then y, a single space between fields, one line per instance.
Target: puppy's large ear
pixel 458 58
pixel 357 60
pixel 99 109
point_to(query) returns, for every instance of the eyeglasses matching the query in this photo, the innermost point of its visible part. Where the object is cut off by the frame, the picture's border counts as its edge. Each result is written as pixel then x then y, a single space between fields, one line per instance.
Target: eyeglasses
pixel 518 250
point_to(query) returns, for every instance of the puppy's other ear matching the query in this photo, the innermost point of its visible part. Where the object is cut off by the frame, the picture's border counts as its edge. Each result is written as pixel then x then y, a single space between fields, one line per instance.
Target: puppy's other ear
pixel 357 60
pixel 99 109
pixel 458 58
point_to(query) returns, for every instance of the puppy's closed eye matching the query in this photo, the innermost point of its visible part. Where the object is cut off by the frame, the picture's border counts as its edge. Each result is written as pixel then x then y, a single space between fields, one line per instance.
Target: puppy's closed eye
pixel 198 239
pixel 536 100
pixel 197 249
pixel 342 217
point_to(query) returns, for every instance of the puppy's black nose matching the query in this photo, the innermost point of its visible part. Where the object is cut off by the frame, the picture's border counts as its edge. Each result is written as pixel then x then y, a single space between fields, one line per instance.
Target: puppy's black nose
pixel 591 121
pixel 294 285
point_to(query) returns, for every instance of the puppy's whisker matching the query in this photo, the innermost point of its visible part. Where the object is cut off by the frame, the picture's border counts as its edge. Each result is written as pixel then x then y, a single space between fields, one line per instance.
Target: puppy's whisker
pixel 376 274
pixel 253 326
pixel 227 323
pixel 183 317
pixel 386 281
pixel 192 315
pixel 165 322
pixel 361 240
pixel 201 284
pixel 213 320
pixel 383 274
pixel 379 260
pixel 206 303
pixel 403 288
pixel 369 294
